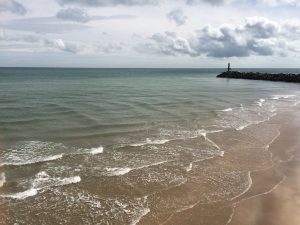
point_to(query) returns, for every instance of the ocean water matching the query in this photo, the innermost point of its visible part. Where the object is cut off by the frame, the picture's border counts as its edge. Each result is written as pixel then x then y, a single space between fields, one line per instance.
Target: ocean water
pixel 128 146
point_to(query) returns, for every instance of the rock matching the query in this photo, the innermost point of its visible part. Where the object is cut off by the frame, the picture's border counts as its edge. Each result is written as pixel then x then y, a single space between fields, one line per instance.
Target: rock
pixel 286 77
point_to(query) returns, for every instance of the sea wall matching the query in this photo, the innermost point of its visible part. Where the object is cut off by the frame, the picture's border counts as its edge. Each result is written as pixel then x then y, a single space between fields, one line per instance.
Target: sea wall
pixel 286 77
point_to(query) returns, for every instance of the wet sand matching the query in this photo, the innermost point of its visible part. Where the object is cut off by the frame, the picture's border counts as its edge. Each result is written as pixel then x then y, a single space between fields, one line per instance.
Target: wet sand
pixel 274 198
pixel 273 193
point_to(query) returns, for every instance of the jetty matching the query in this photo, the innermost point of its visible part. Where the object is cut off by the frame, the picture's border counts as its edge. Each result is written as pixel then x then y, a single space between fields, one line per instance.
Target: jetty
pixel 285 77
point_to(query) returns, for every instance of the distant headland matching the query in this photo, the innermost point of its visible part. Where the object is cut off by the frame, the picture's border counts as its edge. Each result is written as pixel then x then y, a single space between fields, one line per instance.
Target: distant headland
pixel 285 77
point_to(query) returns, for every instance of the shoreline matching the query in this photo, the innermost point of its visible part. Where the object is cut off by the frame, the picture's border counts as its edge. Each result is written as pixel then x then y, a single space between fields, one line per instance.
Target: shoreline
pixel 263 181
pixel 274 197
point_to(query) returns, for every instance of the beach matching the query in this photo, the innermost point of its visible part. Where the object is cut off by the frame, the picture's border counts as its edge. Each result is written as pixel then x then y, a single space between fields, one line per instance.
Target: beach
pixel 115 146
pixel 275 196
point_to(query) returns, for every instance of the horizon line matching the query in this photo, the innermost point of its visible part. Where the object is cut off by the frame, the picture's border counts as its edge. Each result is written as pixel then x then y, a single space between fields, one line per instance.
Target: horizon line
pixel 58 67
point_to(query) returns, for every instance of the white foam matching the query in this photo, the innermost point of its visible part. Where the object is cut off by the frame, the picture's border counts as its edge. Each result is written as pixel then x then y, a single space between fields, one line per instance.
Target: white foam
pixel 2 179
pixel 42 174
pixel 205 132
pixel 44 181
pixel 139 217
pixel 117 171
pixel 52 158
pixel 260 102
pixel 95 151
pixel 296 103
pixel 151 142
pixel 276 97
pixel 22 195
pixel 69 180
pixel 30 152
pixel 227 110
pixel 189 167
pixel 37 160
pixel 242 127
pixel 250 182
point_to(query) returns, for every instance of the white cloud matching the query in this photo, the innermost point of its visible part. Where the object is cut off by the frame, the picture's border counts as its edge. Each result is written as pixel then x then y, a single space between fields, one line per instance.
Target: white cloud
pixel 279 2
pixel 257 36
pixel 168 43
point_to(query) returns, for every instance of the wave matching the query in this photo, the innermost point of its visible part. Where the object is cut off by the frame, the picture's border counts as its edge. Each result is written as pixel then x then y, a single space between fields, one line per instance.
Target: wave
pixel 22 195
pixel 260 102
pixel 117 171
pixel 31 152
pixel 143 213
pixel 151 142
pixel 180 136
pixel 226 110
pixel 95 151
pixel 2 179
pixel 42 182
pixel 38 160
pixel 276 97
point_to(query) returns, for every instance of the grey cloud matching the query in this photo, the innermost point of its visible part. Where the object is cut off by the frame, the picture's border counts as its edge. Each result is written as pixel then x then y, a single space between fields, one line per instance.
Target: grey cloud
pixel 109 2
pixel 177 16
pixel 57 44
pixel 55 25
pixel 230 43
pixel 99 3
pixel 212 2
pixel 110 48
pixel 12 6
pixel 168 43
pixel 73 14
pixel 42 25
pixel 257 36
pixel 31 42
pixel 113 17
pixel 261 27
pixel 62 45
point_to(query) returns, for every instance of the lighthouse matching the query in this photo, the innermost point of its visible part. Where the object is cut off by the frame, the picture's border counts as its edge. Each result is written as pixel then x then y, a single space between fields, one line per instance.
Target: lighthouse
pixel 228 68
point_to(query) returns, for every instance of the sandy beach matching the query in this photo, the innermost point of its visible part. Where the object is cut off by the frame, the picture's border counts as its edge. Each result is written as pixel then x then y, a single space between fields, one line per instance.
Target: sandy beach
pixel 274 197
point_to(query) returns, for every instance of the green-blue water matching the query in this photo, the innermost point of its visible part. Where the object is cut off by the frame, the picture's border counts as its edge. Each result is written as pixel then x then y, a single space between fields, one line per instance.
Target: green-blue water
pixel 62 129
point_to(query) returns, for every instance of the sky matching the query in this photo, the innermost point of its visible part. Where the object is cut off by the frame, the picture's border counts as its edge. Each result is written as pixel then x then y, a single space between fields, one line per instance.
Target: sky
pixel 150 33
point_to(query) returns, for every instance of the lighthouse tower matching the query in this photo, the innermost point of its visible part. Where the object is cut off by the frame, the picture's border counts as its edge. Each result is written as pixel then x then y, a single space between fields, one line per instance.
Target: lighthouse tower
pixel 229 68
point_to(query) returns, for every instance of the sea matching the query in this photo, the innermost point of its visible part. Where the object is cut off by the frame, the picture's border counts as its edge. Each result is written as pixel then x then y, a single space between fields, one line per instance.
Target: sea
pixel 130 146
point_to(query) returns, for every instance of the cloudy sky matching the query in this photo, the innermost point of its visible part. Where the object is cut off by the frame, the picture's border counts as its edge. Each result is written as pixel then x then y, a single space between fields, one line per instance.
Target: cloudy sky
pixel 150 33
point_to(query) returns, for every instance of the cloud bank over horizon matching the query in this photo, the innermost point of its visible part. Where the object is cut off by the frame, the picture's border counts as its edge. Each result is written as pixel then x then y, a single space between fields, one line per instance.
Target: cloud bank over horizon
pixel 149 33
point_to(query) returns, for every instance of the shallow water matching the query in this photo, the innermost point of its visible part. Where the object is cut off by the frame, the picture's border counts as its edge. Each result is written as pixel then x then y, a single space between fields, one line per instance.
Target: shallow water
pixel 122 146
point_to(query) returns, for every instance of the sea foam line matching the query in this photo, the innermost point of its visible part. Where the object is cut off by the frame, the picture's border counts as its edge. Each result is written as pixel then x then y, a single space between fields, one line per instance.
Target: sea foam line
pixel 119 171
pixel 2 179
pixel 22 195
pixel 226 110
pixel 139 217
pixel 97 150
pixel 250 182
pixel 150 142
pixel 38 160
pixel 43 181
